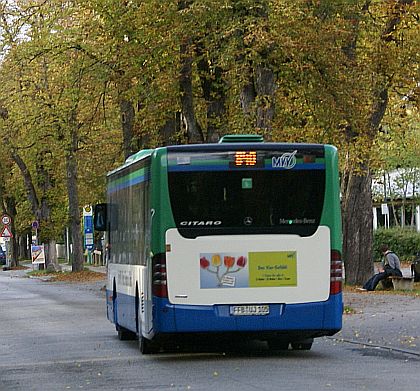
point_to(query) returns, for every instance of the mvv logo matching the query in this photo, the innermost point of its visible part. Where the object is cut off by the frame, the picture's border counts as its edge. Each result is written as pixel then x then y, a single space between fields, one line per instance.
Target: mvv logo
pixel 287 160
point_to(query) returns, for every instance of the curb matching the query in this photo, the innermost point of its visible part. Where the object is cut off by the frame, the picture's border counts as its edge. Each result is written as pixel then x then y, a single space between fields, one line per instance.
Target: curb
pixel 376 346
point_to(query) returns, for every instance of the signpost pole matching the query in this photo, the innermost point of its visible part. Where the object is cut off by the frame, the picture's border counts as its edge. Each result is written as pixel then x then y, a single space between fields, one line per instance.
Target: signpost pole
pixel 7 242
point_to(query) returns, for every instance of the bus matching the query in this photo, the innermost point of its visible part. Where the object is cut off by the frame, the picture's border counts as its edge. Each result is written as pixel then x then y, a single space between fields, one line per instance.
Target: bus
pixel 240 238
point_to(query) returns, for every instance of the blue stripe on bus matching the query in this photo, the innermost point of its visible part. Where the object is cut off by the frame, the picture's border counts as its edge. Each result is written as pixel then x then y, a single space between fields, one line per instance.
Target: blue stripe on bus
pixel 128 183
pixel 170 318
pixel 185 168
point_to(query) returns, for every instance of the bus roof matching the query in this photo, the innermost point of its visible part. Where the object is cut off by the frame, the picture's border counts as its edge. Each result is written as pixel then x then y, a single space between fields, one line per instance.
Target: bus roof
pixel 132 159
pixel 241 138
pixel 226 142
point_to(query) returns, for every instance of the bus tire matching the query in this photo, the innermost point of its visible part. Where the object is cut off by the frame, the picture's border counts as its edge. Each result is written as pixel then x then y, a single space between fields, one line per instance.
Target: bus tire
pixel 124 334
pixel 146 346
pixel 302 345
pixel 278 344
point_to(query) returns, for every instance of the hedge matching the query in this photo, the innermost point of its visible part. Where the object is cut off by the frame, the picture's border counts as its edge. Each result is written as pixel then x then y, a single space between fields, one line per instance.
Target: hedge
pixel 404 242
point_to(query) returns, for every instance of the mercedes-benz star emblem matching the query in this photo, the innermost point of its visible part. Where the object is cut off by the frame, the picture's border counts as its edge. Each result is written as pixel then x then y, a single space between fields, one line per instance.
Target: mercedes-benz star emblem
pixel 248 220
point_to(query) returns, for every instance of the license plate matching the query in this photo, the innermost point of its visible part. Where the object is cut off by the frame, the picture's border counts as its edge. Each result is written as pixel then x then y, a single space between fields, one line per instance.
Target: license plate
pixel 239 310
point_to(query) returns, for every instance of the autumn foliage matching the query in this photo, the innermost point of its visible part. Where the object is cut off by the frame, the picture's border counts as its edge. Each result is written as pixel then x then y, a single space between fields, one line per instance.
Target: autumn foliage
pixel 87 83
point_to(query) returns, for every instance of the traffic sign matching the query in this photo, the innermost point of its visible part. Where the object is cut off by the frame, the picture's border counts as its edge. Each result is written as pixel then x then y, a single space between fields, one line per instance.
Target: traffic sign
pixel 6 233
pixel 5 219
pixel 87 210
pixel 88 227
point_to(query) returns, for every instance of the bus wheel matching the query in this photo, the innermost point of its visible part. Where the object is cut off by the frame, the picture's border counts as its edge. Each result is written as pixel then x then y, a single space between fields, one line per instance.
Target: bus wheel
pixel 124 334
pixel 278 344
pixel 306 344
pixel 147 346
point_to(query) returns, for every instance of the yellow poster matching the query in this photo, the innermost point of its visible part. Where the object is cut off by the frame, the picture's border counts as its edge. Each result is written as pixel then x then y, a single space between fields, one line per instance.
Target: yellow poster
pixel 268 269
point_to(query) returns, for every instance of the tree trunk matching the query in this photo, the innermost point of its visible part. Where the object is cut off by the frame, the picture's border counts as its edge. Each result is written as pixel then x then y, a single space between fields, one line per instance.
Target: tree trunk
pixel 257 99
pixel 73 196
pixel 50 252
pixel 265 87
pixel 247 98
pixel 8 206
pixel 23 247
pixel 11 211
pixel 41 209
pixel 127 124
pixel 213 87
pixel 358 228
pixel 168 131
pixel 193 130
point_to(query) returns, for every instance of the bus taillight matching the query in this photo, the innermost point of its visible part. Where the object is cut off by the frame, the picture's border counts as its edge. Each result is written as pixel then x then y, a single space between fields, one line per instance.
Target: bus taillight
pixel 336 273
pixel 159 280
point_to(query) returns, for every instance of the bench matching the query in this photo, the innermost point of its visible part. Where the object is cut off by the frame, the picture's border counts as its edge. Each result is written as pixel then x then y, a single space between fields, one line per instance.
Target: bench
pixel 402 283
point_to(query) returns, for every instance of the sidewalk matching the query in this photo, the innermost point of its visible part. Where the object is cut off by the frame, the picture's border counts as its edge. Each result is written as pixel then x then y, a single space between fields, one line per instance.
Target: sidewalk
pixel 382 319
pixel 65 267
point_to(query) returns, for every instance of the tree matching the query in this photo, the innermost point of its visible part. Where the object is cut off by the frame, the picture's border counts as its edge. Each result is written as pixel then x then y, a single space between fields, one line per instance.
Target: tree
pixel 190 71
pixel 388 37
pixel 54 78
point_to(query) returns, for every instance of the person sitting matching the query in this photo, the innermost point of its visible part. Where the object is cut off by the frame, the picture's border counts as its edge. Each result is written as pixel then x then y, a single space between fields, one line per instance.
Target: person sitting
pixel 390 267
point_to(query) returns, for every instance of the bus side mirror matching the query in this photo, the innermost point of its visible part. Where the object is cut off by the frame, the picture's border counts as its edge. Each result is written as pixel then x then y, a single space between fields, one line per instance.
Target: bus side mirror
pixel 100 217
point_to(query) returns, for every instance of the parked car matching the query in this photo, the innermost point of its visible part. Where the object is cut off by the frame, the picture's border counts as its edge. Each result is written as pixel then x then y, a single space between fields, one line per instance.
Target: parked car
pixel 2 256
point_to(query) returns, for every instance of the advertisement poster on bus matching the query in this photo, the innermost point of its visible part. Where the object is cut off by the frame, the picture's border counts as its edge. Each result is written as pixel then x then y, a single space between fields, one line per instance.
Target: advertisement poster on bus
pixel 38 254
pixel 248 270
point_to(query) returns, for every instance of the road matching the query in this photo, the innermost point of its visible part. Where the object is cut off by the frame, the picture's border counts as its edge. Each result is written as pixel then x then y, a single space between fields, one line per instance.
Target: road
pixel 55 336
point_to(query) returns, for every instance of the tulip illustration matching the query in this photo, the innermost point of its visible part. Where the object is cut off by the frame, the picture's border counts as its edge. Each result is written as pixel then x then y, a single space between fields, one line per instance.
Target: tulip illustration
pixel 229 261
pixel 204 263
pixel 241 262
pixel 215 260
pixel 212 263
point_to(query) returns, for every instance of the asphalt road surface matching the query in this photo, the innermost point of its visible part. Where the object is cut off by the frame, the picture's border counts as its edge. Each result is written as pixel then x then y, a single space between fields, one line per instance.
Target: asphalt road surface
pixel 55 336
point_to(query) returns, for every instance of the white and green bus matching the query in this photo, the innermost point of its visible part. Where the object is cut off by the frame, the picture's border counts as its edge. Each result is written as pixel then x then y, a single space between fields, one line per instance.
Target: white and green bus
pixel 236 239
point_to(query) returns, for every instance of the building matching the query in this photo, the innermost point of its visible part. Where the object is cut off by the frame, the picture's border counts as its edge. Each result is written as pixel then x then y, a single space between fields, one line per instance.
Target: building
pixel 396 199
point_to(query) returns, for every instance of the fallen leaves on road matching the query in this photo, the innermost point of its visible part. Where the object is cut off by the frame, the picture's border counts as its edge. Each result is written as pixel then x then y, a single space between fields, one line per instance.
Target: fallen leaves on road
pixel 19 267
pixel 83 276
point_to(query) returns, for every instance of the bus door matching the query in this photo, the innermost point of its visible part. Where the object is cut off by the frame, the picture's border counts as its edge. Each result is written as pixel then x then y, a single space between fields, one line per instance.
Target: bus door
pixel 146 304
pixel 146 296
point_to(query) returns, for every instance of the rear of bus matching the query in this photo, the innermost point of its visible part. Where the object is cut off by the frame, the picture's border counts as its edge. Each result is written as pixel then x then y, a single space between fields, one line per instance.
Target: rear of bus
pixel 250 241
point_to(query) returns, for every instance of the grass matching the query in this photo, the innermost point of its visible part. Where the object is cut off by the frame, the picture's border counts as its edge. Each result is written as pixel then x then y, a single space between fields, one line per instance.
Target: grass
pixel 379 290
pixel 348 310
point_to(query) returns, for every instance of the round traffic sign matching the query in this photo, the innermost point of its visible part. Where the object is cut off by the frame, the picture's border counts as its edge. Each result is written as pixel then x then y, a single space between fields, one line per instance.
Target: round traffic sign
pixel 5 219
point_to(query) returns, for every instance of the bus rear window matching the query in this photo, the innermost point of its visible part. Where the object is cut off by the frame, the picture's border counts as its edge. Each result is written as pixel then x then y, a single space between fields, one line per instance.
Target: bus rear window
pixel 247 201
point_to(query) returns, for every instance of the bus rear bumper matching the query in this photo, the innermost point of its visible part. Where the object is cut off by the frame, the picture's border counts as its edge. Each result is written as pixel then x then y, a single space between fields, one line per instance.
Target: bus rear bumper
pixel 319 318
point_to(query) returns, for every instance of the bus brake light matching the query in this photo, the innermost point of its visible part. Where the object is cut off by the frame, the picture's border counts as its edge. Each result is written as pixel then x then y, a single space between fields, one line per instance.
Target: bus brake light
pixel 159 277
pixel 336 272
